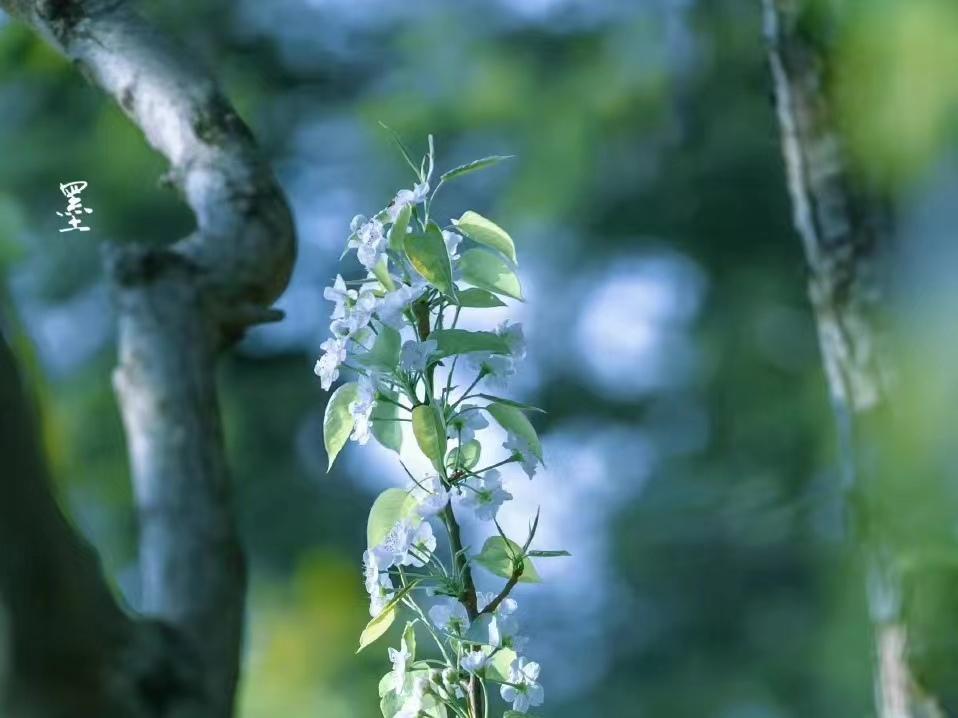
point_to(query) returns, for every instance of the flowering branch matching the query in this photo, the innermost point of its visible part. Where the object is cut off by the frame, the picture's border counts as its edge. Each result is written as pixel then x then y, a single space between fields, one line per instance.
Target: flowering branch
pixel 392 330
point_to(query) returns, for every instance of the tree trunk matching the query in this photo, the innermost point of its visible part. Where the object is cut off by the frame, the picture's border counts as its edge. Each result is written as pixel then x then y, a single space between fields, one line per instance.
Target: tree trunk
pixel 844 230
pixel 178 307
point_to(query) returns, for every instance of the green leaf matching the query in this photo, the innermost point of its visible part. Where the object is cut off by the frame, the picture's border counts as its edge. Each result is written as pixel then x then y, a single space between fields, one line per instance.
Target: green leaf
pixel 461 341
pixel 381 623
pixel 387 684
pixel 469 455
pixel 390 507
pixel 427 254
pixel 487 232
pixel 476 298
pixel 377 627
pixel 548 554
pixel 391 703
pixel 384 353
pixel 409 636
pixel 485 270
pixel 500 665
pixel 381 270
pixel 386 429
pixel 338 422
pixel 430 433
pixel 498 556
pixel 474 166
pixel 515 422
pixel 397 233
pixel 510 402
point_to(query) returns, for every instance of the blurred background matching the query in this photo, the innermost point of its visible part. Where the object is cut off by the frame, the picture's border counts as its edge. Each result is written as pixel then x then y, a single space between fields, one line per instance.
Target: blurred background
pixel 689 442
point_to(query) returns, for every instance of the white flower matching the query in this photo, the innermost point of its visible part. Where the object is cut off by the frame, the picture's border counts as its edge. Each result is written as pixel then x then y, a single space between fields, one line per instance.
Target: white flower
pixel 515 339
pixel 524 691
pixel 405 198
pixel 519 447
pixel 395 545
pixel 358 221
pixel 413 704
pixel 432 497
pixel 452 241
pixel 415 355
pixel 399 659
pixel 421 545
pixel 393 304
pixel 371 571
pixel 380 592
pixel 485 495
pixel 474 661
pixel 339 295
pixel 361 409
pixel 370 243
pixel 327 366
pixel 449 615
pixel 496 368
pixel 466 423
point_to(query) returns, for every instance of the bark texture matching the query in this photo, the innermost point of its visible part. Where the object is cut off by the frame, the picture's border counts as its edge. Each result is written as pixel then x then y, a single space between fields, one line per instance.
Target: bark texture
pixel 844 230
pixel 177 308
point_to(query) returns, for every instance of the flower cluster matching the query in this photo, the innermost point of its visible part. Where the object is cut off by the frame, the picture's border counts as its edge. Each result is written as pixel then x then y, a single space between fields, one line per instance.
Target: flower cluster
pixel 395 329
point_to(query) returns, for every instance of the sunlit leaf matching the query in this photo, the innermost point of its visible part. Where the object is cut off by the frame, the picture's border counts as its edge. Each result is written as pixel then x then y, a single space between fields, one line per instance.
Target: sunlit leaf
pixel 515 422
pixel 499 557
pixel 430 435
pixel 511 402
pixel 464 457
pixel 384 353
pixel 390 507
pixel 461 341
pixel 427 254
pixel 476 298
pixel 474 166
pixel 338 422
pixel 381 623
pixel 397 232
pixel 485 231
pixel 386 429
pixel 485 270
pixel 500 665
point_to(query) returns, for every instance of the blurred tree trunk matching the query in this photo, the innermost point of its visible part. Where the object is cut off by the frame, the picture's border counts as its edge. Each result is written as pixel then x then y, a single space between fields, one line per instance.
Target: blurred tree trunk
pixel 178 307
pixel 845 233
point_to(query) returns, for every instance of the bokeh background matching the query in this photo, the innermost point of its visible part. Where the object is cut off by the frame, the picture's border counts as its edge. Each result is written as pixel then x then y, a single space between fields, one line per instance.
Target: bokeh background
pixel 689 444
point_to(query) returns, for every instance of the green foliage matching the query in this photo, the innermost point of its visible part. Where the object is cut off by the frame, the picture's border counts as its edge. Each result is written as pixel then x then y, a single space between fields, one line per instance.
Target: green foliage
pixel 430 433
pixel 486 271
pixel 502 556
pixel 487 232
pixel 515 422
pixel 390 507
pixel 338 422
pixel 460 341
pixel 427 253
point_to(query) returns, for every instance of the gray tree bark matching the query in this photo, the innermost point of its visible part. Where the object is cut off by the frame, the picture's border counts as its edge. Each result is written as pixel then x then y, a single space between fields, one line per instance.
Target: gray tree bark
pixel 178 307
pixel 844 231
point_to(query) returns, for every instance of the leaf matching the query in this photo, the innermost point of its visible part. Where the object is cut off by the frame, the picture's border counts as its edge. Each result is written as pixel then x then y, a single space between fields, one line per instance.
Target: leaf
pixel 377 627
pixel 386 429
pixel 384 353
pixel 397 233
pixel 390 507
pixel 500 665
pixel 381 623
pixel 515 422
pixel 470 455
pixel 381 270
pixel 498 557
pixel 427 254
pixel 510 402
pixel 402 147
pixel 430 434
pixel 461 341
pixel 391 703
pixel 474 166
pixel 476 298
pixel 337 421
pixel 485 270
pixel 409 636
pixel 548 554
pixel 387 683
pixel 487 232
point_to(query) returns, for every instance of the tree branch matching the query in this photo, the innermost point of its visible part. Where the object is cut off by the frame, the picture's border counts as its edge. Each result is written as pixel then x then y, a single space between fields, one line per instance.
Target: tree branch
pixel 179 306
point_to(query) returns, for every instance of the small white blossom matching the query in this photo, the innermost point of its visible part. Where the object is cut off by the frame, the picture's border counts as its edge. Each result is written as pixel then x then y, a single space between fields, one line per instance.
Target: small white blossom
pixel 466 423
pixel 518 446
pixel 413 706
pixel 515 339
pixel 421 545
pixel 400 660
pixel 415 355
pixel 406 198
pixel 370 243
pixel 361 409
pixel 474 661
pixel 432 497
pixel 381 592
pixel 452 241
pixel 327 366
pixel 395 545
pixel 339 295
pixel 358 221
pixel 485 495
pixel 394 303
pixel 449 615
pixel 524 692
pixel 496 368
